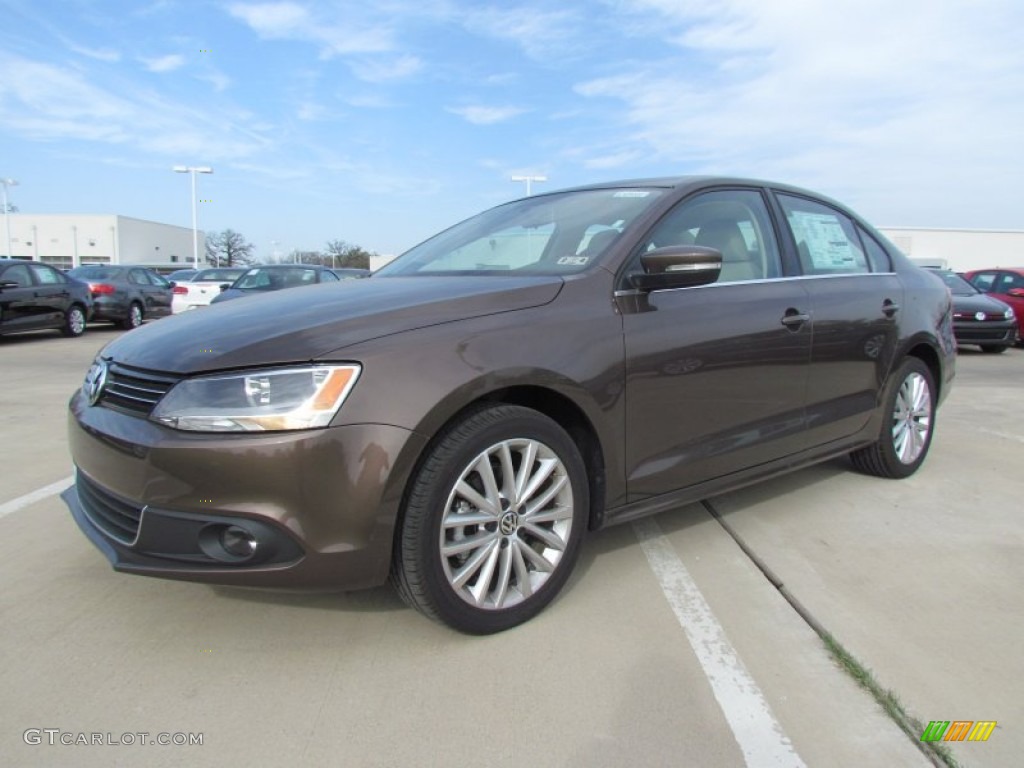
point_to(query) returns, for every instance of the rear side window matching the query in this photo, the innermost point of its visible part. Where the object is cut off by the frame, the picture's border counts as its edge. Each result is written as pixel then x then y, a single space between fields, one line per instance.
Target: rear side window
pixel 877 256
pixel 826 239
pixel 138 277
pixel 47 275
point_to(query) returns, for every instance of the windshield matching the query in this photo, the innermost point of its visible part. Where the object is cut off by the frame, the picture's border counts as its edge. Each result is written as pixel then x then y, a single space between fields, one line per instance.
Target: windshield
pixel 260 279
pixel 957 285
pixel 94 273
pixel 559 233
pixel 217 275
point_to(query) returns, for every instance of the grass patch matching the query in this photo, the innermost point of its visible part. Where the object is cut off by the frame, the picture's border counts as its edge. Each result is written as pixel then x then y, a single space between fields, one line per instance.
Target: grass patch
pixel 941 754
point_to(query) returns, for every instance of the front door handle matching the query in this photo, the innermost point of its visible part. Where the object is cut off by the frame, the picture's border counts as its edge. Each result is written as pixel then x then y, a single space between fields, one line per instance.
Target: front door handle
pixel 794 318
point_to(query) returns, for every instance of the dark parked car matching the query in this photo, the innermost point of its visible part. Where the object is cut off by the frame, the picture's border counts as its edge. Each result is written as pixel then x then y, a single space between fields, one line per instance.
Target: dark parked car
pixel 1003 283
pixel 350 273
pixel 274 277
pixel 552 366
pixel 35 296
pixel 977 318
pixel 125 294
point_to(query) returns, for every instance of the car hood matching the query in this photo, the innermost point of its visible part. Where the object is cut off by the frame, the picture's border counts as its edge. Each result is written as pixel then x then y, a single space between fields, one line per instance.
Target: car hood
pixel 309 324
pixel 977 303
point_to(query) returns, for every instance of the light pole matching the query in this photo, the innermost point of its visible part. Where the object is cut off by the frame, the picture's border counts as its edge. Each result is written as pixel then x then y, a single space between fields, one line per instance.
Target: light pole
pixel 193 170
pixel 529 179
pixel 7 214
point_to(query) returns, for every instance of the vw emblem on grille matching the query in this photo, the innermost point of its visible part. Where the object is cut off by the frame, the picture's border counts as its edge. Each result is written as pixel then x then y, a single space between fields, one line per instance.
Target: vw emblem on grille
pixel 95 380
pixel 979 316
pixel 509 523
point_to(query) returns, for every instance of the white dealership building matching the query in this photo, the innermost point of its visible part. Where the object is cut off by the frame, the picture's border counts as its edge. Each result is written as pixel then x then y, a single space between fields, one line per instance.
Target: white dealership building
pixel 70 240
pixel 961 250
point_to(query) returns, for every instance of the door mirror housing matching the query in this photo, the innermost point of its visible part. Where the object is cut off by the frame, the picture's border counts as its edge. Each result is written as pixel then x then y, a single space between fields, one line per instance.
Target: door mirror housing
pixel 1016 292
pixel 677 266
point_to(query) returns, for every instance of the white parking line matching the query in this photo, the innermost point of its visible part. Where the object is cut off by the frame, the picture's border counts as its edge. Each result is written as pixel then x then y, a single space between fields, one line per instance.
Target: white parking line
pixel 37 495
pixel 758 733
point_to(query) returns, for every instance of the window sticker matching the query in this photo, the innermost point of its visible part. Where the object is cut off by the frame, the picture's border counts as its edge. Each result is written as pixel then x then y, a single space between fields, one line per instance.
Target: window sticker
pixel 573 261
pixel 826 241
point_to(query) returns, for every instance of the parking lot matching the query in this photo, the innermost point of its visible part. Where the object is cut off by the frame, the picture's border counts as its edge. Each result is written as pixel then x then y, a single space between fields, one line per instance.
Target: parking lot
pixel 670 646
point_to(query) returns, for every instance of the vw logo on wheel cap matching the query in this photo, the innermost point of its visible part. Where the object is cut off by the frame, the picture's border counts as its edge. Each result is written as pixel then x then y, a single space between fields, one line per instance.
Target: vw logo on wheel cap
pixel 509 523
pixel 95 380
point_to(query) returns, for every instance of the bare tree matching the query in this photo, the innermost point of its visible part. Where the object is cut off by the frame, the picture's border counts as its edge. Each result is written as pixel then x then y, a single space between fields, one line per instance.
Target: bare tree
pixel 343 254
pixel 228 248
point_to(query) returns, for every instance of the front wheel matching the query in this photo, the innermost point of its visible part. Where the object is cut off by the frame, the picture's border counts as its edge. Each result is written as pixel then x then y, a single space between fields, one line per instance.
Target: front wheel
pixel 994 349
pixel 493 520
pixel 907 428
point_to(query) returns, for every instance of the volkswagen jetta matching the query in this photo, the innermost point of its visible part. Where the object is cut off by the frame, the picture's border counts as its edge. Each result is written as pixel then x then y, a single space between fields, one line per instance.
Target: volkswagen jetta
pixel 549 367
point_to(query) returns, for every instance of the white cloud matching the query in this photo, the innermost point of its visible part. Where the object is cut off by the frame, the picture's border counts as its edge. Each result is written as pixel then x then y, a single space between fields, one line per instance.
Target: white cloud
pixel 480 115
pixel 858 94
pixel 541 34
pixel 44 102
pixel 291 21
pixel 167 63
pixel 378 70
pixel 100 54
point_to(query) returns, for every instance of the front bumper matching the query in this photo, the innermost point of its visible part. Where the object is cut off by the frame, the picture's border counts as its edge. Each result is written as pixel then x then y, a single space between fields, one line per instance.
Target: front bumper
pixel 986 332
pixel 319 505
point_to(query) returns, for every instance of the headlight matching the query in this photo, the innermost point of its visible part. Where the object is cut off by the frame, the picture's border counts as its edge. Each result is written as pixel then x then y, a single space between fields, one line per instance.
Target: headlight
pixel 257 401
pixel 1008 314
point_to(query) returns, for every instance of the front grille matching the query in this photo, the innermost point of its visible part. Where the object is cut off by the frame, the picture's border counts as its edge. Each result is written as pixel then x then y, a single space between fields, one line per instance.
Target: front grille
pixel 117 518
pixel 135 390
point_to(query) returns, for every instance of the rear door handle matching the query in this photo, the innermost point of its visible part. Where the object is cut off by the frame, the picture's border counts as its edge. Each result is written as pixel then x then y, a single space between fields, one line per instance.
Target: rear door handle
pixel 890 308
pixel 794 318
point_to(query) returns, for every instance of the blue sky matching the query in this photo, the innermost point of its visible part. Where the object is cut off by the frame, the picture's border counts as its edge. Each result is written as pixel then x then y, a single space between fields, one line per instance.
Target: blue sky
pixel 380 123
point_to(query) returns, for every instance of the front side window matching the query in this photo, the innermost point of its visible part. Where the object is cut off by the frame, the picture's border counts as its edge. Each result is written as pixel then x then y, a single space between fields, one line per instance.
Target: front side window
pixel 733 222
pixel 826 239
pixel 18 274
pixel 1008 281
pixel 560 233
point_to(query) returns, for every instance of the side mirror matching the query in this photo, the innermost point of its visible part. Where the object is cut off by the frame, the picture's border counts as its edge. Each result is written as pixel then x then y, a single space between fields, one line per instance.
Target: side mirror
pixel 224 287
pixel 677 266
pixel 1016 292
pixel 8 284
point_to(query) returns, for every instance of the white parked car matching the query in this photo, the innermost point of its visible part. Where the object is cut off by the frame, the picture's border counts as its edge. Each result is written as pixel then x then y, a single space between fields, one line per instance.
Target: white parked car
pixel 202 287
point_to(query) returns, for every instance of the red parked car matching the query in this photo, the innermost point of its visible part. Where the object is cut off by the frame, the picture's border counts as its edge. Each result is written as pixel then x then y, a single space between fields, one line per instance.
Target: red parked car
pixel 1003 283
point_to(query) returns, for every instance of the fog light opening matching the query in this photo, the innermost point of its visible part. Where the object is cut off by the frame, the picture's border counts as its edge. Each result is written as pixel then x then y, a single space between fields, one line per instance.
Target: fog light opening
pixel 238 542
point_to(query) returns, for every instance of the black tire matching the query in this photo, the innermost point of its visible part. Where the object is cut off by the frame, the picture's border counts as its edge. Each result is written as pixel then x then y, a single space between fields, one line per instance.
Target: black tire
pixel 134 317
pixel 906 434
pixel 993 349
pixel 74 321
pixel 513 585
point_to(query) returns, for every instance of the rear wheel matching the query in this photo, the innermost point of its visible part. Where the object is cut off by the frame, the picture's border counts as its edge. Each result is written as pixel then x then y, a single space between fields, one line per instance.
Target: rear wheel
pixel 493 521
pixel 134 318
pixel 906 431
pixel 74 321
pixel 993 349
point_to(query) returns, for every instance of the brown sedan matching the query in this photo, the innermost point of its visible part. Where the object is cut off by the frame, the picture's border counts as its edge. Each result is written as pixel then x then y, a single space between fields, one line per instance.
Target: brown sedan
pixel 552 366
